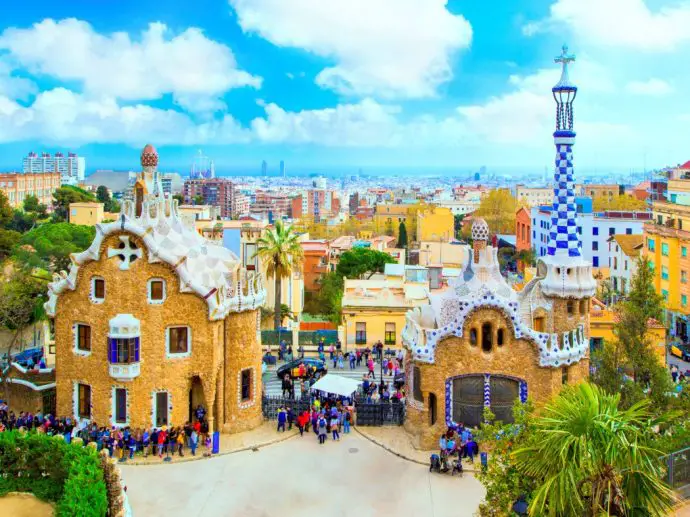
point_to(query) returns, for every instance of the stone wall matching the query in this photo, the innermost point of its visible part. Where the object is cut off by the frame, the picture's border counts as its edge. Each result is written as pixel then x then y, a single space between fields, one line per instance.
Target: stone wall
pixel 455 356
pixel 117 497
pixel 242 351
pixel 21 398
pixel 126 293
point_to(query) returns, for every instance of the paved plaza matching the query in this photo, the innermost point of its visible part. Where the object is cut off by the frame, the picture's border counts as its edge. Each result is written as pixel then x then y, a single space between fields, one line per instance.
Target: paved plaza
pixel 299 477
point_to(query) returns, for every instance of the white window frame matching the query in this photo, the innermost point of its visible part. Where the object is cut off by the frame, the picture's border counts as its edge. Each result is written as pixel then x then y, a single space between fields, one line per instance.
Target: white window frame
pixel 171 355
pixel 154 408
pixel 92 290
pixel 75 339
pixel 113 410
pixel 148 291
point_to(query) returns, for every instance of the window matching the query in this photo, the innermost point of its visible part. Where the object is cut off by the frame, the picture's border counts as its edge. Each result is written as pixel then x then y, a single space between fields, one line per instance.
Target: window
pixel 539 324
pixel 625 265
pixel 628 231
pixel 84 401
pixel 683 300
pixel 583 307
pixel 473 337
pixel 156 291
pixel 417 384
pixel 664 273
pixel 97 289
pixel 250 261
pixel 83 338
pixel 650 244
pixel 595 261
pixel 664 293
pixel 120 405
pixel 612 231
pixel 432 409
pixel 615 262
pixel 664 249
pixel 499 337
pixel 595 230
pixel 683 251
pixel 390 334
pixel 487 337
pixel 178 340
pixel 683 276
pixel 570 305
pixel 161 412
pixel 246 385
pixel 123 350
pixel 595 246
pixel 360 333
pixel 564 375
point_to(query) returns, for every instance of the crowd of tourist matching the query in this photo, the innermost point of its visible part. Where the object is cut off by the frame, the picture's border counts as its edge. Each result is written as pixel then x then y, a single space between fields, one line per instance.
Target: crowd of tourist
pixel 121 442
pixel 456 442
pixel 327 416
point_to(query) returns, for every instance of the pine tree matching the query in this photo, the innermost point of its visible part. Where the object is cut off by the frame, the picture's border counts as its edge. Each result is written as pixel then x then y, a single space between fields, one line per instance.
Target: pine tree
pixel 402 235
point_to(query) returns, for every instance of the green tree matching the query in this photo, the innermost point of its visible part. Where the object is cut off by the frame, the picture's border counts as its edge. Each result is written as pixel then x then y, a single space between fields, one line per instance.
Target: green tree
pixel 65 195
pixel 198 199
pixel 32 205
pixel 49 246
pixel 329 298
pixel 280 249
pixel 21 304
pixel 22 221
pixel 589 457
pixel 457 225
pixel 358 262
pixel 103 196
pixel 402 235
pixel 8 240
pixel 498 209
pixel 180 199
pixel 628 364
pixel 6 212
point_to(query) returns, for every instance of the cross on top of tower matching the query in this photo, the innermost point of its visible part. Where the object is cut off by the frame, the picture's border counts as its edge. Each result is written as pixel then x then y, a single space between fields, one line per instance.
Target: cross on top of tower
pixel 564 59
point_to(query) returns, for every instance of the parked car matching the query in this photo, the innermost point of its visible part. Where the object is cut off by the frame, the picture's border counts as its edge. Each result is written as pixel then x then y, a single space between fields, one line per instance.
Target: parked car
pixel 30 355
pixel 681 351
pixel 292 368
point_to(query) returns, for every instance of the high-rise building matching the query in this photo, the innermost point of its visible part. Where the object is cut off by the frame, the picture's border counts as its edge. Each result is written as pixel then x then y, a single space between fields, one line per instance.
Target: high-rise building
pixel 264 168
pixel 215 192
pixel 72 168
pixel 282 168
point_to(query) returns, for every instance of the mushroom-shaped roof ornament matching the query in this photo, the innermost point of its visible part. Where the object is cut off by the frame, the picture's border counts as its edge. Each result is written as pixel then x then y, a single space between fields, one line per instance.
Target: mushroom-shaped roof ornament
pixel 480 230
pixel 149 156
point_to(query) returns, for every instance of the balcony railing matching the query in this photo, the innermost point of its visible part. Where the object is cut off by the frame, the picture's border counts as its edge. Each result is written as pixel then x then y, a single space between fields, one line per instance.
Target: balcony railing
pixel 125 371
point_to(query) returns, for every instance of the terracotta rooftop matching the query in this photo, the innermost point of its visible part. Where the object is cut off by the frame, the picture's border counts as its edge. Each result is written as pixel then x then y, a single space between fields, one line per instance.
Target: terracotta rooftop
pixel 686 165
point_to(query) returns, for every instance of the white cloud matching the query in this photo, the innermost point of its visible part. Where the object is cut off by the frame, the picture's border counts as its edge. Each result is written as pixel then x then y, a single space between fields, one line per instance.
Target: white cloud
pixel 385 48
pixel 653 87
pixel 12 86
pixel 197 71
pixel 620 23
pixel 62 116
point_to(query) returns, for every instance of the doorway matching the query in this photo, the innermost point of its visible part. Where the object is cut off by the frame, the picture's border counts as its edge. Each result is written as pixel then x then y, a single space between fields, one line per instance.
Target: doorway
pixel 196 396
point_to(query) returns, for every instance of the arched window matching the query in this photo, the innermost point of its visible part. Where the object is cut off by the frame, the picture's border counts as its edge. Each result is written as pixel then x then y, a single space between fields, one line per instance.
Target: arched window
pixel 539 324
pixel 499 337
pixel 583 307
pixel 571 307
pixel 487 337
pixel 417 384
pixel 473 337
pixel 432 409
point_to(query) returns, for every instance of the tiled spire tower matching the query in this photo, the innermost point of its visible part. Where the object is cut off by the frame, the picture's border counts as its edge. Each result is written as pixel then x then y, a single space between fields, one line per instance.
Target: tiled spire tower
pixel 563 237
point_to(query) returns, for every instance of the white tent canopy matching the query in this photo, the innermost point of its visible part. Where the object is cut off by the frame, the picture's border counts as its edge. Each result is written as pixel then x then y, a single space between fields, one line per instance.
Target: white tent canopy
pixel 337 384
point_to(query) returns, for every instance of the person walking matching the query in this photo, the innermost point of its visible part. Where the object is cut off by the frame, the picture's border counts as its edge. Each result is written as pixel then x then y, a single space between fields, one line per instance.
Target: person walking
pixel 282 418
pixel 341 362
pixel 352 358
pixel 334 428
pixel 370 366
pixel 180 442
pixel 322 430
pixel 193 441
pixel 346 422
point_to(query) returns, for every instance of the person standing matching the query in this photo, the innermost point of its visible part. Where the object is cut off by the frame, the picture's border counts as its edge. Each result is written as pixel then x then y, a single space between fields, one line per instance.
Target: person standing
pixel 290 418
pixel 322 429
pixel 282 417
pixel 346 421
pixel 334 428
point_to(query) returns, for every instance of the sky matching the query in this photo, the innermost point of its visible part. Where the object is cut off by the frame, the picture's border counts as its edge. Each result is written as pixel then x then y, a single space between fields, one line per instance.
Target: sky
pixel 343 83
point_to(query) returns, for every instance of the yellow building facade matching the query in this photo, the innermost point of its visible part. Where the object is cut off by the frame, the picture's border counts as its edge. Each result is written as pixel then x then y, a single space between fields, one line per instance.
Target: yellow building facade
pixel 387 219
pixel 435 224
pixel 88 214
pixel 374 310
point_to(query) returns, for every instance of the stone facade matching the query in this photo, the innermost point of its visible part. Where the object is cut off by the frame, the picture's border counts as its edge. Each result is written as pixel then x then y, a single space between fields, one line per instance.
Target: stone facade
pixel 217 306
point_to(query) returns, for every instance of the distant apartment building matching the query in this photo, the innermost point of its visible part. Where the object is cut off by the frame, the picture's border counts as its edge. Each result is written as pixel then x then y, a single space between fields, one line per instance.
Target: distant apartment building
pixel 72 168
pixel 458 206
pixel 270 205
pixel 387 218
pixel 523 230
pixel 166 180
pixel 17 186
pixel 315 203
pixel 624 251
pixel 87 213
pixel 218 192
pixel 533 196
pixel 353 203
pixel 594 229
pixel 240 204
pixel 598 190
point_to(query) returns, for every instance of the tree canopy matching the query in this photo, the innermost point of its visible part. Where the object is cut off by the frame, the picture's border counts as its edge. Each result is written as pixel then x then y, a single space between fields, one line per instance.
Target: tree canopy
pixel 620 202
pixel 49 246
pixel 103 196
pixel 358 262
pixel 402 235
pixel 498 209
pixel 65 195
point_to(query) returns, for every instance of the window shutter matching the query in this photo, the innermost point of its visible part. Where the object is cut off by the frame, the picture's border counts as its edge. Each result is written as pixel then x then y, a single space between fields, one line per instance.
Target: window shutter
pixel 136 349
pixel 112 345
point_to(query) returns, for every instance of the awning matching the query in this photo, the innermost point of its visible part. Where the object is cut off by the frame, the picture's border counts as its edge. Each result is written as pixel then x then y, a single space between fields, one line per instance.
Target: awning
pixel 332 383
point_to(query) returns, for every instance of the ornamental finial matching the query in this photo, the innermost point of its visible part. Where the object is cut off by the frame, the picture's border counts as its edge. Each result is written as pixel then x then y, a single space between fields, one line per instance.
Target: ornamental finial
pixel 564 59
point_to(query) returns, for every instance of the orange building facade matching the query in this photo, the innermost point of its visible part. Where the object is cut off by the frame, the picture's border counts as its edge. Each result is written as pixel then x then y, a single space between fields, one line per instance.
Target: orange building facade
pixel 523 230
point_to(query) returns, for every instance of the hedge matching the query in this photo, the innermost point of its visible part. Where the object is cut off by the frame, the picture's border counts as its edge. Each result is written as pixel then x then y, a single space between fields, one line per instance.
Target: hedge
pixel 53 470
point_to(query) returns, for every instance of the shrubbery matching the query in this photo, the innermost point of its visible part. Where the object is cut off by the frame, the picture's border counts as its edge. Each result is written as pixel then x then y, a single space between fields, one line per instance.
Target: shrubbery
pixel 52 470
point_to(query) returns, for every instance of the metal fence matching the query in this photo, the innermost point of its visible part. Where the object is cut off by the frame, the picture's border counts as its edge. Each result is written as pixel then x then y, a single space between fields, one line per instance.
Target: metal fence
pixel 273 337
pixel 373 414
pixel 678 472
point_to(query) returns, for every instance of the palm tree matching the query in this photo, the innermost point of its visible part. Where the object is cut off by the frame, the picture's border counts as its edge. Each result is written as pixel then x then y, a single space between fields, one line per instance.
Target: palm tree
pixel 591 458
pixel 282 252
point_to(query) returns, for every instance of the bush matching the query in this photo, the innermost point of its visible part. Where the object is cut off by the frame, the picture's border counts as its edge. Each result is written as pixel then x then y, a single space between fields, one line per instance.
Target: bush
pixel 67 474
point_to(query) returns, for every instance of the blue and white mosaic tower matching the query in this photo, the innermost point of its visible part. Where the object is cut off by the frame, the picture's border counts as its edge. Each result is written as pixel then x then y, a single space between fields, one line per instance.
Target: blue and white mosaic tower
pixel 563 236
pixel 566 273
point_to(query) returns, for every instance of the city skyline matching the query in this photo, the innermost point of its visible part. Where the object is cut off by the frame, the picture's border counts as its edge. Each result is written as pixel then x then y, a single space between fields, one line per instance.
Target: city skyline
pixel 463 89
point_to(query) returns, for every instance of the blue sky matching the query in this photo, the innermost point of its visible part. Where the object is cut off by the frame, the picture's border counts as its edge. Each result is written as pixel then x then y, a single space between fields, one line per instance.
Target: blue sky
pixel 350 83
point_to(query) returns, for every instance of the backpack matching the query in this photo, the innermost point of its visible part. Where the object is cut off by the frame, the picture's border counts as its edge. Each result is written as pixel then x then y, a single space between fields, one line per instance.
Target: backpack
pixel 322 423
